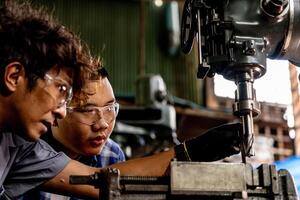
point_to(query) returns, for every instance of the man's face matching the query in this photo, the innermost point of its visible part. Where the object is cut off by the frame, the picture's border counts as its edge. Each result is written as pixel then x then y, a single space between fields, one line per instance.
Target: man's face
pixel 38 109
pixel 86 129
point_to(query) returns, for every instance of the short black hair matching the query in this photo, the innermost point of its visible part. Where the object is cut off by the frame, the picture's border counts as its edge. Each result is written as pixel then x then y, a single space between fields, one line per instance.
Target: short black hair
pixel 93 71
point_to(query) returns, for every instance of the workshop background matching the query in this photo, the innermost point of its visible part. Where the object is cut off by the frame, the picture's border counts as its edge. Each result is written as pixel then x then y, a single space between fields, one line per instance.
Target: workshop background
pixel 161 99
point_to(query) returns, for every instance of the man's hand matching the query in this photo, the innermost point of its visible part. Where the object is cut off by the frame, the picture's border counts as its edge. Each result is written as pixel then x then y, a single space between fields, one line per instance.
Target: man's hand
pixel 215 144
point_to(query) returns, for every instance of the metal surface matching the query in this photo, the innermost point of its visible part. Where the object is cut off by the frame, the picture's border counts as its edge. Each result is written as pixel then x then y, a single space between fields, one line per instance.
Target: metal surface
pixel 197 181
pixel 194 178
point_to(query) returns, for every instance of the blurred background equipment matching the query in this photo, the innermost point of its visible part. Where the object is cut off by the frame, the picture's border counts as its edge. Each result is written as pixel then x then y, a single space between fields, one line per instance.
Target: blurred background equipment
pixel 154 113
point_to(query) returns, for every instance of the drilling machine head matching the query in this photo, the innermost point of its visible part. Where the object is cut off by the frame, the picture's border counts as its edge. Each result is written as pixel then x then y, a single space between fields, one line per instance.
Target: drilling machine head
pixel 234 39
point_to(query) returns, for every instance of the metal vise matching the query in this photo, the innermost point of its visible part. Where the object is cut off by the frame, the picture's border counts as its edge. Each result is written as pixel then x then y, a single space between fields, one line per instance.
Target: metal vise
pixel 197 181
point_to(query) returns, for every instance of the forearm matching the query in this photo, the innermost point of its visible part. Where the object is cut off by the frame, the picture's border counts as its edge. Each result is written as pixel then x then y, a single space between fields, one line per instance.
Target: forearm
pixel 155 165
pixel 60 183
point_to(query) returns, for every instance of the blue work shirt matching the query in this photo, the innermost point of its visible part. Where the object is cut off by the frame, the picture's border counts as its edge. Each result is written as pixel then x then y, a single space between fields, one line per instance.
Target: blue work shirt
pixel 25 165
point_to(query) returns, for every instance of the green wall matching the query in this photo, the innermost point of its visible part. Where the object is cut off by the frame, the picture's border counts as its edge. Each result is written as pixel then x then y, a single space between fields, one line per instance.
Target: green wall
pixel 111 29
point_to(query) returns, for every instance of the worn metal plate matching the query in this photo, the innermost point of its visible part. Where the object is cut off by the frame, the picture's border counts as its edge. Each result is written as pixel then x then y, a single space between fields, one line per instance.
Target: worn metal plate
pixel 197 178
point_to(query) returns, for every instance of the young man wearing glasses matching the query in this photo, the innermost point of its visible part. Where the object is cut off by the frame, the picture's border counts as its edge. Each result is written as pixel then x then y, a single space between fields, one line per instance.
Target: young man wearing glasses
pixel 84 133
pixel 41 64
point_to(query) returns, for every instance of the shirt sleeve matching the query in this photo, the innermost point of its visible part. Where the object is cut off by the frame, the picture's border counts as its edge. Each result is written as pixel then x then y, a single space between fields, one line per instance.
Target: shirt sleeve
pixel 35 164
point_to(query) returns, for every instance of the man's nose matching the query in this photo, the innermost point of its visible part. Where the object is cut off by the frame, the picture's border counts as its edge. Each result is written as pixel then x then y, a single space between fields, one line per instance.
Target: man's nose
pixel 61 111
pixel 100 123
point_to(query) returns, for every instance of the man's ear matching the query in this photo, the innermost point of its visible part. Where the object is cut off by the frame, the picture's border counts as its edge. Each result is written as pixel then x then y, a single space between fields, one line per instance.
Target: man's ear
pixel 13 73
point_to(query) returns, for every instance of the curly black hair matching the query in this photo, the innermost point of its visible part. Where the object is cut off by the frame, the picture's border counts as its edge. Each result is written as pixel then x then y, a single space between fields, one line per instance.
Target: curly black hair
pixel 39 42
